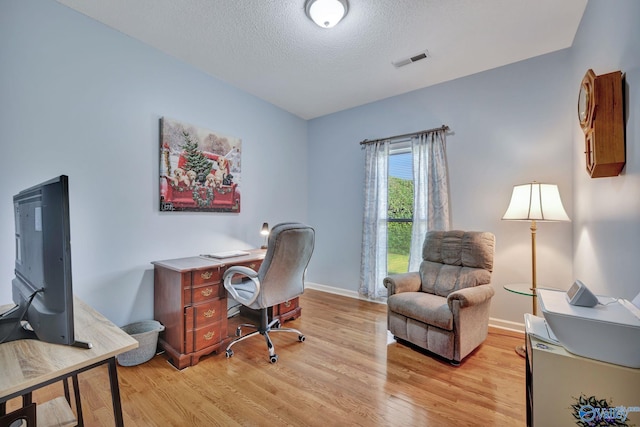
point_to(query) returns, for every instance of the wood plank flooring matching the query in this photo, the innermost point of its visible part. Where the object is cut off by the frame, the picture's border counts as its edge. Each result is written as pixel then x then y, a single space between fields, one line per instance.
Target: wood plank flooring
pixel 347 372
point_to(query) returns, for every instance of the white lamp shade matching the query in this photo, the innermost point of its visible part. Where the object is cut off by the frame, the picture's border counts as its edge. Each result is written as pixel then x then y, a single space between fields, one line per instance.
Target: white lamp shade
pixel 326 13
pixel 535 201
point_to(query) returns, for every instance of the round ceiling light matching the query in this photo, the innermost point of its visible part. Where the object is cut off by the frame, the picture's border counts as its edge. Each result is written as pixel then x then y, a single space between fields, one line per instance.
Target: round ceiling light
pixel 326 13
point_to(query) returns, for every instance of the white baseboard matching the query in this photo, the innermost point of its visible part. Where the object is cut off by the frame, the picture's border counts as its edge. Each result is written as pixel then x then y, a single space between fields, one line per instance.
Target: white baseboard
pixel 506 324
pixel 331 290
pixel 338 291
pixel 496 323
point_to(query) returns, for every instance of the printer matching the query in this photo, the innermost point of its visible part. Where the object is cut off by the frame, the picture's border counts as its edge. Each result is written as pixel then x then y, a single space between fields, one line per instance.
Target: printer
pixel 609 331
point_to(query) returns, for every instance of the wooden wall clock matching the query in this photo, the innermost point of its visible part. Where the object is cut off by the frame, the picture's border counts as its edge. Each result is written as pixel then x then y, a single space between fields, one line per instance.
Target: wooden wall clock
pixel 600 111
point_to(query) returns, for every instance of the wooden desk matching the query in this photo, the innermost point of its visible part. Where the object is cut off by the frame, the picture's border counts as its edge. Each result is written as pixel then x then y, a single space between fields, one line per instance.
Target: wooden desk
pixel 191 302
pixel 26 365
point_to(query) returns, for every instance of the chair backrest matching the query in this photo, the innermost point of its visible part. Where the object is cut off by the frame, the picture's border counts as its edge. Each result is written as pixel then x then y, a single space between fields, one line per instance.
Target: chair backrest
pixel 455 260
pixel 282 272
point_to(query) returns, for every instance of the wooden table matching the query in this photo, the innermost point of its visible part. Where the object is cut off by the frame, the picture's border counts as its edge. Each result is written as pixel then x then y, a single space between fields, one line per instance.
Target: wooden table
pixel 26 365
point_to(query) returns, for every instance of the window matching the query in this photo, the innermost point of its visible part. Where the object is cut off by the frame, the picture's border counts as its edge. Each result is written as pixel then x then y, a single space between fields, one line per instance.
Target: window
pixel 399 209
pixel 397 215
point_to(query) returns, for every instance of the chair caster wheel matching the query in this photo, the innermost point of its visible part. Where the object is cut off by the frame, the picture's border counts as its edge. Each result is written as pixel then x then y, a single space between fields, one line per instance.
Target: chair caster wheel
pixel 274 358
pixel 301 338
pixel 238 331
pixel 228 353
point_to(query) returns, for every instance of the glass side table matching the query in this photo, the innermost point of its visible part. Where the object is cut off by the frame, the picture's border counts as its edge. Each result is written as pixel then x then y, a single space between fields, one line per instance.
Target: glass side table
pixel 527 290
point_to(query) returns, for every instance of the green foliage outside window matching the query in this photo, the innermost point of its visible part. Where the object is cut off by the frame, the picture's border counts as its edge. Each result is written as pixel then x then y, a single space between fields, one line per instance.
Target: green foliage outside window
pixel 400 206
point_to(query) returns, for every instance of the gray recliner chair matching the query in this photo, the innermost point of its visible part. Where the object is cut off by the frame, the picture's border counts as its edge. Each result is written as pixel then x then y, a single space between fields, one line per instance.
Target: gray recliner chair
pixel 444 307
pixel 280 278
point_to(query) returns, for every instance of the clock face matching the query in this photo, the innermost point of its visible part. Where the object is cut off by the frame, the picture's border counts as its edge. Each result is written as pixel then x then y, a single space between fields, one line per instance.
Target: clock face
pixel 583 104
pixel 586 101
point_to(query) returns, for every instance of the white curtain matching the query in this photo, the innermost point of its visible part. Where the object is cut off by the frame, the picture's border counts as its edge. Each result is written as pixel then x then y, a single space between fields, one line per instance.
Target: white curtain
pixel 373 265
pixel 431 190
pixel 430 209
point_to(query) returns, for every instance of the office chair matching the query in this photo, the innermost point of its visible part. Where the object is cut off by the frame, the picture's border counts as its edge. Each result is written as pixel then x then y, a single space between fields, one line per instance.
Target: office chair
pixel 280 278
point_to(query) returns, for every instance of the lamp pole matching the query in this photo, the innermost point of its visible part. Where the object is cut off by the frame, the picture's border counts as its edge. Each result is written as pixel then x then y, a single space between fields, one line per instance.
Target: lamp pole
pixel 534 228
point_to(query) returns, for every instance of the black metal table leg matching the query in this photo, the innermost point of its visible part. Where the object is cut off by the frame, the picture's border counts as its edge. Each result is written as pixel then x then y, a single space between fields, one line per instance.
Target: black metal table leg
pixel 27 399
pixel 76 393
pixel 67 395
pixel 115 393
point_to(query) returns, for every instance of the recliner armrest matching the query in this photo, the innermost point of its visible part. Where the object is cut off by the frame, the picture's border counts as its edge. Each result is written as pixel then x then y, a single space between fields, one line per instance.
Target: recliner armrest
pixel 404 282
pixel 471 296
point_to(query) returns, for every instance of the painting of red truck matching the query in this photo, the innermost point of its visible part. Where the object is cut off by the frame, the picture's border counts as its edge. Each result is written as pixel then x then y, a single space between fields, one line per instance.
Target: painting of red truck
pixel 200 170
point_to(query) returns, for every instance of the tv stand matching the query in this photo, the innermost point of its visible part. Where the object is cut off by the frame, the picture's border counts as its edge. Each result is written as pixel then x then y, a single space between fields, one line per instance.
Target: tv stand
pixel 10 327
pixel 82 344
pixel 9 313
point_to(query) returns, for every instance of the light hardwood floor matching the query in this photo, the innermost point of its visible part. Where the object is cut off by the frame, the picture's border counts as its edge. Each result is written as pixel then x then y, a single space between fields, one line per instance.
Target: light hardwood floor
pixel 347 372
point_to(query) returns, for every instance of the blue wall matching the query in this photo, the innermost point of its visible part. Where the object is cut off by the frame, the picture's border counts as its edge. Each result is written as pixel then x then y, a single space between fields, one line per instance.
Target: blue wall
pixel 607 221
pixel 510 125
pixel 82 99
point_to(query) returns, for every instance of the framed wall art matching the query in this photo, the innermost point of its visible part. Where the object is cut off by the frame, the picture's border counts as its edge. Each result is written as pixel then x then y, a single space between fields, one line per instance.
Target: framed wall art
pixel 200 170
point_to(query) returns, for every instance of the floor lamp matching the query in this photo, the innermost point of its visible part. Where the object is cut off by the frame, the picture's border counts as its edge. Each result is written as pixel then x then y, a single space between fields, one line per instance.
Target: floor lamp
pixel 535 202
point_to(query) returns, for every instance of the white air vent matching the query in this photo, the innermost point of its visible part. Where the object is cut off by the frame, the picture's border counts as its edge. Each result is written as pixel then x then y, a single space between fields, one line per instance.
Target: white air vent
pixel 417 57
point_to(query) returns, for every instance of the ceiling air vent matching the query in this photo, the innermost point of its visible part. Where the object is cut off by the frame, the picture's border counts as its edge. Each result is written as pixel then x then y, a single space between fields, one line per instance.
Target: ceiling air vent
pixel 418 57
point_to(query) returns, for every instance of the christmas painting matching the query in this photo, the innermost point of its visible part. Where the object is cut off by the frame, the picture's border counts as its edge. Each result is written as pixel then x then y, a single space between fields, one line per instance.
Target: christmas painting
pixel 199 169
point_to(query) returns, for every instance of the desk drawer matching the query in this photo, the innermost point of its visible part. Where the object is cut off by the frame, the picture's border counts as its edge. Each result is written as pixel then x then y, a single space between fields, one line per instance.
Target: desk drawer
pixel 209 275
pixel 205 313
pixel 205 336
pixel 286 308
pixel 254 265
pixel 204 293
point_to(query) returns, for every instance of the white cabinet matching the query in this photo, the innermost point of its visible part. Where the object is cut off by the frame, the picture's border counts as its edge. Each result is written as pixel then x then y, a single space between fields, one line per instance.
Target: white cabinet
pixel 563 389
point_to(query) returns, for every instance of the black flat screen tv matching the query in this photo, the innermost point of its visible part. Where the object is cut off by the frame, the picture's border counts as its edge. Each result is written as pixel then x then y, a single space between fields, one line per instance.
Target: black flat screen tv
pixel 42 288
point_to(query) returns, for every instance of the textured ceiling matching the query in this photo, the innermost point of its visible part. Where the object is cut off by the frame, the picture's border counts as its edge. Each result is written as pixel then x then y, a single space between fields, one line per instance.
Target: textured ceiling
pixel 270 48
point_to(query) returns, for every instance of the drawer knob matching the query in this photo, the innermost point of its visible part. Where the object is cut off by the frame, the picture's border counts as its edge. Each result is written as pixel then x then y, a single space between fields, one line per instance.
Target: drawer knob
pixel 206 292
pixel 287 304
pixel 252 266
pixel 209 313
pixel 206 275
pixel 209 335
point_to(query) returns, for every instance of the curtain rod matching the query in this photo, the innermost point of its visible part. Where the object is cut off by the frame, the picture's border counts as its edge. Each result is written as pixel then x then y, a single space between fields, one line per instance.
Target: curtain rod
pixel 441 128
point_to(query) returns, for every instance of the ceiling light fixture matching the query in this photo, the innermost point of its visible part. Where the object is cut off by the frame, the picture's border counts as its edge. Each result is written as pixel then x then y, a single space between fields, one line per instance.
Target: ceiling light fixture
pixel 326 13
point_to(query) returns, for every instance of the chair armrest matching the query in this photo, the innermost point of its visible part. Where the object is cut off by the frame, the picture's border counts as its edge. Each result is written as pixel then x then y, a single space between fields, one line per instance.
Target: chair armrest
pixel 404 282
pixel 471 296
pixel 246 292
